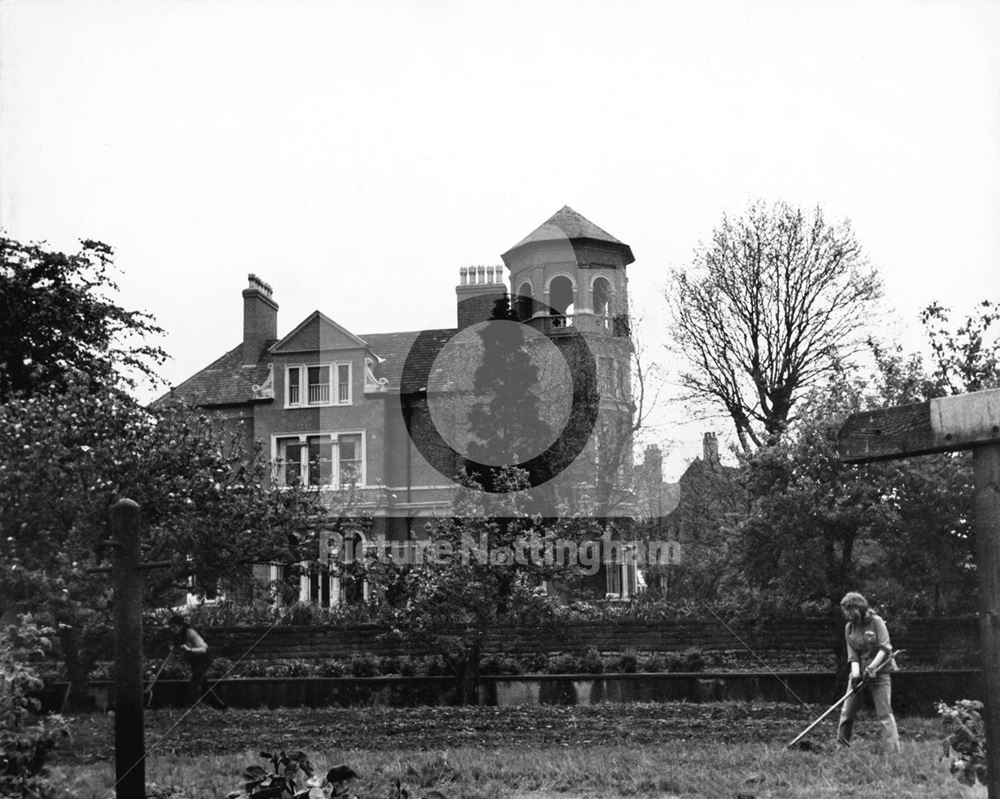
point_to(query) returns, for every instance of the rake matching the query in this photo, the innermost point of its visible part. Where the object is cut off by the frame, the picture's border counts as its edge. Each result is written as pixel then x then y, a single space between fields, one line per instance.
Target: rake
pixel 149 691
pixel 850 692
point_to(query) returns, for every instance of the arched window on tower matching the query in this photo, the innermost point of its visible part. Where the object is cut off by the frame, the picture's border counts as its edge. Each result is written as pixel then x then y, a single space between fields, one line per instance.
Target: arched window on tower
pixel 561 301
pixel 602 301
pixel 525 302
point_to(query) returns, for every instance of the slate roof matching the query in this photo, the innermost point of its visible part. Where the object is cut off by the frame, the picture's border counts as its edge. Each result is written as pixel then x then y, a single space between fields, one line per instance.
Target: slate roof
pixel 225 381
pixel 395 348
pixel 567 224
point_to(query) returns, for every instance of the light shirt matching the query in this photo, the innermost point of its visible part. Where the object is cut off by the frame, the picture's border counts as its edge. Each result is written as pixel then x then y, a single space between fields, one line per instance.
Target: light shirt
pixel 866 639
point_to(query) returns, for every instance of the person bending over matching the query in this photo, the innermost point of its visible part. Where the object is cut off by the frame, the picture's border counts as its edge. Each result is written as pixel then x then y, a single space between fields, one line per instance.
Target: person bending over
pixel 868 648
pixel 192 646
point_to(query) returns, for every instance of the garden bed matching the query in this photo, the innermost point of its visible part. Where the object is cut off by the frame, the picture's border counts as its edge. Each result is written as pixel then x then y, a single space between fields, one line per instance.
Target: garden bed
pixel 913 692
pixel 666 751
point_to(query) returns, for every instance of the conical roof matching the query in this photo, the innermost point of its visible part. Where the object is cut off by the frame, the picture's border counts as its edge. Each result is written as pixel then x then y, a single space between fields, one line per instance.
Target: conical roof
pixel 567 224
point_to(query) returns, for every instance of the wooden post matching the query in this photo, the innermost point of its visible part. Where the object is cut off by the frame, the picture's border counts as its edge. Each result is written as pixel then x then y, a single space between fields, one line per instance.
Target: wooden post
pixel 986 467
pixel 966 421
pixel 130 762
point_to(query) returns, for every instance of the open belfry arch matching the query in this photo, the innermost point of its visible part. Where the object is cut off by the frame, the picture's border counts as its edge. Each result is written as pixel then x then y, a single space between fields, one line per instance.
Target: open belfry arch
pixel 949 424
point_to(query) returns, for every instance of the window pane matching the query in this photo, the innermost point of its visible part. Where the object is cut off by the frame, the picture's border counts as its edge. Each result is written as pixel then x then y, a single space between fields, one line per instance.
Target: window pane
pixel 320 460
pixel 293 386
pixel 343 383
pixel 319 384
pixel 289 461
pixel 614 579
pixel 350 460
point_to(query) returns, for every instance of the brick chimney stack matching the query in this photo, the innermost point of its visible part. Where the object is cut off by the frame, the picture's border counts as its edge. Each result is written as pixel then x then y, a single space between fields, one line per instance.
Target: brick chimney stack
pixel 477 292
pixel 260 319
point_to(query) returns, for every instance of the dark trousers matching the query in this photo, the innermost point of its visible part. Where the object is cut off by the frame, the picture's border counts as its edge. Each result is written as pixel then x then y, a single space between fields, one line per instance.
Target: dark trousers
pixel 199 669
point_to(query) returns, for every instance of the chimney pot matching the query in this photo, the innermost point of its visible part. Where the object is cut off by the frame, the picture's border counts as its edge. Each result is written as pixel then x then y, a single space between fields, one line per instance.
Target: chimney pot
pixel 478 290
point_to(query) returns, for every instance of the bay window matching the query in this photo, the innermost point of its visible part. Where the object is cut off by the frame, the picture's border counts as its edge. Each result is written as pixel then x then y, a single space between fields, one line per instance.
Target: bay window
pixel 334 460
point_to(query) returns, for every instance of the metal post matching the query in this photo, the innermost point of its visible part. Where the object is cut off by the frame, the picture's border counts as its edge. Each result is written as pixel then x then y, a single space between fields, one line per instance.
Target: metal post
pixel 130 763
pixel 986 468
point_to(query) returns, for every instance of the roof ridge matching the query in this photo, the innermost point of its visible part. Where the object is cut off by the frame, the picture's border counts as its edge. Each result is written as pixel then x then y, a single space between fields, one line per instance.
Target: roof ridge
pixel 567 224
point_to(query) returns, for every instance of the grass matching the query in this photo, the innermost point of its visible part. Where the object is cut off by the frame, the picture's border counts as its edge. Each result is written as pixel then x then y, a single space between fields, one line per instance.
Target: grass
pixel 534 765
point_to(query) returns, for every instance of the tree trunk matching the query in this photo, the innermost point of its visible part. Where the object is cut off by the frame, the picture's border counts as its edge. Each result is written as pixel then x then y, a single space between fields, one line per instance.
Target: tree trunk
pixel 77 669
pixel 467 675
pixel 839 648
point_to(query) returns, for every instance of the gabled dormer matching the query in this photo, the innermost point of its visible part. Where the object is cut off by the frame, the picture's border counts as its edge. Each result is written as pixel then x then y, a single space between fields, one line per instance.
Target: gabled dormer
pixel 319 363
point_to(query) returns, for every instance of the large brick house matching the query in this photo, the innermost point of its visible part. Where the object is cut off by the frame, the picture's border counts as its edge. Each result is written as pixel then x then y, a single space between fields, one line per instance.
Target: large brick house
pixel 348 411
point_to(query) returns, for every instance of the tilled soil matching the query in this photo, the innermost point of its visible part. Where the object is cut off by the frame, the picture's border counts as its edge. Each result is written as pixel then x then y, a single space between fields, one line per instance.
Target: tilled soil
pixel 204 731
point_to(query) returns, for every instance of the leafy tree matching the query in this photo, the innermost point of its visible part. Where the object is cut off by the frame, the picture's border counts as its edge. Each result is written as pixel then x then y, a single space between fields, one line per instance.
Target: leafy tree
pixel 66 457
pixel 72 442
pixel 57 321
pixel 898 531
pixel 24 742
pixel 505 420
pixel 766 312
pixel 966 358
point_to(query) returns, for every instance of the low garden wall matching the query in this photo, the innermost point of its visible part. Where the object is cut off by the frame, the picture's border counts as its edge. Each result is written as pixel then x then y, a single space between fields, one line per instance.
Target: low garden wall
pixel 914 693
pixel 781 644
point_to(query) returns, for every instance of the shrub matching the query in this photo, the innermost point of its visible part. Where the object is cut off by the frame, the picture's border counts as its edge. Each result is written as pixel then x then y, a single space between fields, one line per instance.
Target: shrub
pixel 331 668
pixel 564 663
pixel 535 663
pixel 302 613
pixel 24 746
pixel 408 667
pixel 965 740
pixel 253 668
pixel 692 659
pixel 364 665
pixel 673 661
pixel 221 666
pixel 628 663
pixel 298 668
pixel 389 665
pixel 592 662
pixel 655 663
pixel 276 668
pixel 174 670
pixel 502 664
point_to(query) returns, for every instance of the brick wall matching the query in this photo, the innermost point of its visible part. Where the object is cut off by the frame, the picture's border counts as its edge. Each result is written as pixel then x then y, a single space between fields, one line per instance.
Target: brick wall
pixel 941 642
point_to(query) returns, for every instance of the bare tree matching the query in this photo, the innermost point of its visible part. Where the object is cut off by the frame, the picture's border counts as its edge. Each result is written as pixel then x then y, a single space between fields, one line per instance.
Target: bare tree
pixel 765 311
pixel 632 392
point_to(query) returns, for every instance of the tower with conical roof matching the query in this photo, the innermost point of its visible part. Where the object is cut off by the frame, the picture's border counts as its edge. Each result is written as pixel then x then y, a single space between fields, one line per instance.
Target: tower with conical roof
pixel 570 272
pixel 568 277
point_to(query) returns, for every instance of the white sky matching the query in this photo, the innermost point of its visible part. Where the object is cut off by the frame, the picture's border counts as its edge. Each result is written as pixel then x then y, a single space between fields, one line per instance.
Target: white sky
pixel 355 155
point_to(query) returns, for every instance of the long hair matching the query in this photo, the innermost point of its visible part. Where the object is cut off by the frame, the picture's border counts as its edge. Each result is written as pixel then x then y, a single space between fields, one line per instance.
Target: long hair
pixel 853 601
